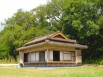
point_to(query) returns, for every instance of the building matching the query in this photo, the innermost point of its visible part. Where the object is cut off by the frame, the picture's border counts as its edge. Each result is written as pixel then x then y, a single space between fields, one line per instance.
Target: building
pixel 51 50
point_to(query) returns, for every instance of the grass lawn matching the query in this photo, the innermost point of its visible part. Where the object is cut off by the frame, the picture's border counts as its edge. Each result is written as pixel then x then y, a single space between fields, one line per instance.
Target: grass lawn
pixel 57 72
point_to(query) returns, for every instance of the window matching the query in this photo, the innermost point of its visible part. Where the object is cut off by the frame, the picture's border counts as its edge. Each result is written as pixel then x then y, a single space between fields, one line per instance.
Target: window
pixel 67 56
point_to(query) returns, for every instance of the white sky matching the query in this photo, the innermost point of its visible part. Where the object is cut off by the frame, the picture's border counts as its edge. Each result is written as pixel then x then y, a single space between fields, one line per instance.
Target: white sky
pixel 8 7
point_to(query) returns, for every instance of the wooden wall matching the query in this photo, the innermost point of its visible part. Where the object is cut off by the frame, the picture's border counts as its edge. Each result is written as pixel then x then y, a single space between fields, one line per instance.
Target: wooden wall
pixel 76 56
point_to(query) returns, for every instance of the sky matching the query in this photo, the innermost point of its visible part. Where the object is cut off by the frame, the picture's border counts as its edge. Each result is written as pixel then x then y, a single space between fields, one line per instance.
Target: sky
pixel 9 7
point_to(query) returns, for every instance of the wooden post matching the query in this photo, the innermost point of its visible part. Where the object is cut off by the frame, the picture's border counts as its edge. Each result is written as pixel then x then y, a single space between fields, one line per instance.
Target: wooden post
pixel 80 56
pixel 46 55
pixel 21 57
pixel 76 57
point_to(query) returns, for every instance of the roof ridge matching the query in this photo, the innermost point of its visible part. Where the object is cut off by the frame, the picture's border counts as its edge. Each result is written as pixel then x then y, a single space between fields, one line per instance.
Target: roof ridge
pixel 46 36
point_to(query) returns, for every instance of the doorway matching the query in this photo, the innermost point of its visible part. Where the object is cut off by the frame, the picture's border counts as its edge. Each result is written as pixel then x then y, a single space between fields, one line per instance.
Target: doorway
pixel 56 56
pixel 42 56
pixel 25 57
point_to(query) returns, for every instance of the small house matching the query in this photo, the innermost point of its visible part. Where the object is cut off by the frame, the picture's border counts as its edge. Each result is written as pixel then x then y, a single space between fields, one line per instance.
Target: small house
pixel 51 50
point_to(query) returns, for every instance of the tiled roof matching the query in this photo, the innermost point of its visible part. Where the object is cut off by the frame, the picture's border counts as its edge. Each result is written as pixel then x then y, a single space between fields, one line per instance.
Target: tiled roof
pixel 49 37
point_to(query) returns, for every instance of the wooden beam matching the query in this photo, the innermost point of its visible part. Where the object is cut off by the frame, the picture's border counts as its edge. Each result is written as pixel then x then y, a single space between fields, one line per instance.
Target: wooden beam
pixel 76 57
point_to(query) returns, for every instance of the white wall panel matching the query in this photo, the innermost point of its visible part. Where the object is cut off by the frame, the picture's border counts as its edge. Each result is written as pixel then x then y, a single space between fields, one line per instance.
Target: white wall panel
pixel 51 55
pixel 37 56
pixel 33 56
pixel 61 56
pixel 67 56
pixel 45 55
pixel 29 57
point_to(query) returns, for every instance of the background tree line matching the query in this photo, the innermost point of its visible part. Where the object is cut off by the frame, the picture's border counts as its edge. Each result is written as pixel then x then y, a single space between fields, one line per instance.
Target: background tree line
pixel 77 19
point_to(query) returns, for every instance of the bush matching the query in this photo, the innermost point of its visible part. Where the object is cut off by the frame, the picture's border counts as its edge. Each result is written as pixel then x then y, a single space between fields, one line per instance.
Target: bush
pixel 9 60
pixel 99 61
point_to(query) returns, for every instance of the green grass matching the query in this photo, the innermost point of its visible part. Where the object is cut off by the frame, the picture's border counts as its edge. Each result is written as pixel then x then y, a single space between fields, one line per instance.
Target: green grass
pixel 58 72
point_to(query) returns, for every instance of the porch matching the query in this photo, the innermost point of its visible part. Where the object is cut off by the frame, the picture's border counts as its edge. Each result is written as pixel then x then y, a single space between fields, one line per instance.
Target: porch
pixel 51 58
pixel 50 64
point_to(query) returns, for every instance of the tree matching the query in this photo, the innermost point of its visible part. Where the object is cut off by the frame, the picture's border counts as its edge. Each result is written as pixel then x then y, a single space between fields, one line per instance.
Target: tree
pixel 80 20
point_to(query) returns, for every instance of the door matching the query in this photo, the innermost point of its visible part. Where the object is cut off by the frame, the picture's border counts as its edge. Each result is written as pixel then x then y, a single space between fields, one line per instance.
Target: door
pixel 56 56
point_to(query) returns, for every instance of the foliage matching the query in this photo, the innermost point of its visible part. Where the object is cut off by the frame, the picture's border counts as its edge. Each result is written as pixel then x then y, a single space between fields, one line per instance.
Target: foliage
pixel 98 61
pixel 9 60
pixel 80 20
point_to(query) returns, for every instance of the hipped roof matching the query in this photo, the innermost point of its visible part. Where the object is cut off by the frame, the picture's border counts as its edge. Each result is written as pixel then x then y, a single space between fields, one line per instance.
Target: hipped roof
pixel 54 43
pixel 56 38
